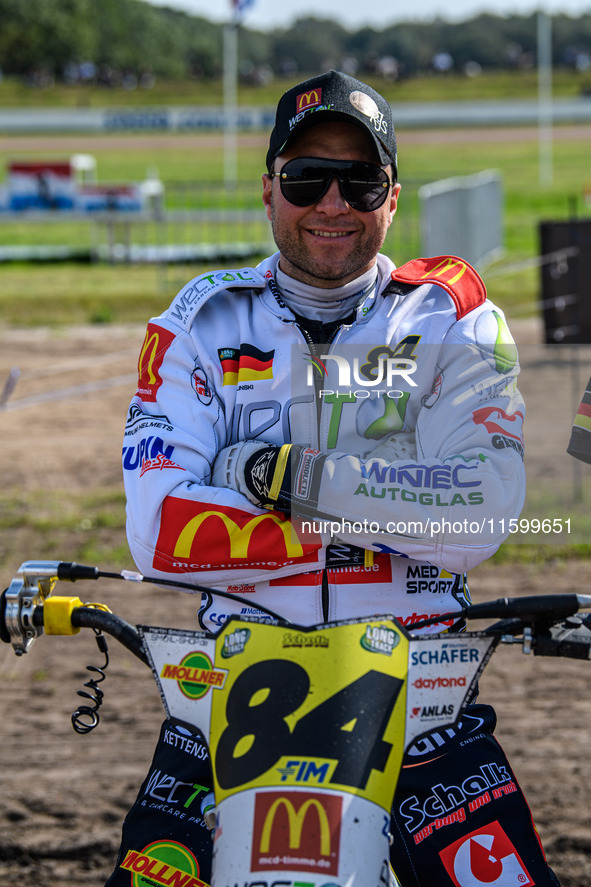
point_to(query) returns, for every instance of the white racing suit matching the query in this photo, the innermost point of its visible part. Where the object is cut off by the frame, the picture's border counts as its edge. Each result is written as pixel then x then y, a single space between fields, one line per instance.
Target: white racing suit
pixel 426 360
pixel 227 361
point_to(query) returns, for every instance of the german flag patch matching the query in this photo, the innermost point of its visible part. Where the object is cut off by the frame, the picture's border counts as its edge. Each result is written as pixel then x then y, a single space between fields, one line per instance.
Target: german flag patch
pixel 245 364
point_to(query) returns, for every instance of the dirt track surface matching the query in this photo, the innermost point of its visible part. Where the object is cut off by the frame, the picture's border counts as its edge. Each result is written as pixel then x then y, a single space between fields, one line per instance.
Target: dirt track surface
pixel 63 796
pixel 151 141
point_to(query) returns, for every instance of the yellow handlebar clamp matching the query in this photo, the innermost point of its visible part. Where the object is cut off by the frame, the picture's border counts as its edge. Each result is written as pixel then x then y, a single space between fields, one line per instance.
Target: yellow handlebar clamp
pixel 57 615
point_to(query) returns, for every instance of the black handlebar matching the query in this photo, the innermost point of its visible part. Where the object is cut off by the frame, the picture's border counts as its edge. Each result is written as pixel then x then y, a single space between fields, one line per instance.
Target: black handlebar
pixel 105 621
pixel 126 634
pixel 547 617
pixel 532 607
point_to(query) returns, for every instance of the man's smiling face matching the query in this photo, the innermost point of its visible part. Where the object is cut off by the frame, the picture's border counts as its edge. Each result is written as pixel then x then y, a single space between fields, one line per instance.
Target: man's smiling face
pixel 328 243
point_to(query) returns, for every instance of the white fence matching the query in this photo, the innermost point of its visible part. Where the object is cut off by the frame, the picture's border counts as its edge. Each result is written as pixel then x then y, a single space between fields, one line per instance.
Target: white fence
pixel 463 217
pixel 192 118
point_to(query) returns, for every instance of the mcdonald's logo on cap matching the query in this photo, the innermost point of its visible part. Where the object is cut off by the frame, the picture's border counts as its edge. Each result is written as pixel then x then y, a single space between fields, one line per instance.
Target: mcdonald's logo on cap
pixel 156 342
pixel 296 829
pixel 200 536
pixel 307 100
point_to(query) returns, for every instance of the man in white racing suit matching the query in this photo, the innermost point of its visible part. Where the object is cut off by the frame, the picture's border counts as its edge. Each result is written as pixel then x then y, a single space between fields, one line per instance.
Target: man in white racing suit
pixel 330 436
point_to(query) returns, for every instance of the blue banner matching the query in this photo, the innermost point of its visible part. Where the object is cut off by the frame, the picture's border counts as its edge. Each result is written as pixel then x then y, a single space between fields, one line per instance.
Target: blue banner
pixel 240 6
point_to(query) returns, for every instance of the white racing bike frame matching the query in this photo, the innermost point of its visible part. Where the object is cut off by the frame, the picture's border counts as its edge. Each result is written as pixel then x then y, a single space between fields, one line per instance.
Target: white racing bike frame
pixel 306 726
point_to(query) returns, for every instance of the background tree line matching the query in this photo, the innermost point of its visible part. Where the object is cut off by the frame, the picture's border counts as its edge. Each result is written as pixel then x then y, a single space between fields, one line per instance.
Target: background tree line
pixel 112 42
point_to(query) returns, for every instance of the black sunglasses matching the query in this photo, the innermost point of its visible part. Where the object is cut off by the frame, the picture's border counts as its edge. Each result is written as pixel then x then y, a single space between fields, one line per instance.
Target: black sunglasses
pixel 305 180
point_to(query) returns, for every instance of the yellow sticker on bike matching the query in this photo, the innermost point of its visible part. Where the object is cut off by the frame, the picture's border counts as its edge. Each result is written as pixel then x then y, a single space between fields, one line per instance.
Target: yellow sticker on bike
pixel 310 708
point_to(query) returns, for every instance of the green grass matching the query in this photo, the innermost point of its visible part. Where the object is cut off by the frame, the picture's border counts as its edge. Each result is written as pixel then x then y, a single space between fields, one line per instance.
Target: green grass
pixel 428 87
pixel 56 294
pixel 88 528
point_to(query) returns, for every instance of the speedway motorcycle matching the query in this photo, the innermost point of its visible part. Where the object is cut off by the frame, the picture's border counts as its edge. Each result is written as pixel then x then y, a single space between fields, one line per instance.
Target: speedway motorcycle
pixel 306 725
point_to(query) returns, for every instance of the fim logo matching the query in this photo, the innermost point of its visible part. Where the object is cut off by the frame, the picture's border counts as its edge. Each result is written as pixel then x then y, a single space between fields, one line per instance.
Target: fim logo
pixel 195 675
pixel 380 639
pixel 163 862
pixel 235 642
pixel 296 830
pixel 305 770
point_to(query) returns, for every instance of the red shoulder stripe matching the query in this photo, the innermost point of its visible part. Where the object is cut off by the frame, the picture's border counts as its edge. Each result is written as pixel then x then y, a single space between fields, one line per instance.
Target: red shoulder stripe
pixel 456 276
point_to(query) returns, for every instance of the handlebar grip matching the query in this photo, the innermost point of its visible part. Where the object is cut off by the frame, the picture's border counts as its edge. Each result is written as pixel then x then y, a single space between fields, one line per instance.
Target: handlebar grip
pixel 126 634
pixel 536 607
pixel 4 633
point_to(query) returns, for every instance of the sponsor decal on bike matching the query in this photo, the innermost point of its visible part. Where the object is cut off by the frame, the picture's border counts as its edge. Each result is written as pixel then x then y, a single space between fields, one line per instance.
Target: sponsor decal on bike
pixel 420 617
pixel 296 830
pixel 200 536
pixel 380 639
pixel 431 743
pixel 156 343
pixel 272 686
pixel 445 712
pixel 438 682
pixel 195 674
pixel 491 782
pixel 167 863
pixel 445 654
pixel 301 639
pixel 485 858
pixel 442 674
pixel 171 795
pixel 235 642
pixel 305 770
pixel 189 743
pixel 245 364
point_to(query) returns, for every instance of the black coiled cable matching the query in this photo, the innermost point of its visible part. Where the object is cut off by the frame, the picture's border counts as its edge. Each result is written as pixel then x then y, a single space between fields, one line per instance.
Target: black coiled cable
pixel 86 717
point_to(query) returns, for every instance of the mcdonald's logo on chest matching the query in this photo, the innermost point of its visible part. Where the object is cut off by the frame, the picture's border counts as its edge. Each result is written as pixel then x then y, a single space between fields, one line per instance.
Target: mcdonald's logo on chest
pixel 200 536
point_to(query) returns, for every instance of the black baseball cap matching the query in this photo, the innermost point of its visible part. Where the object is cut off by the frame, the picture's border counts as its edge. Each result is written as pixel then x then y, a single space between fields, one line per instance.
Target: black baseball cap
pixel 334 96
